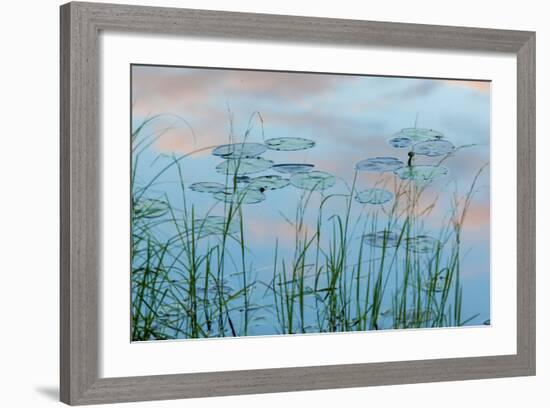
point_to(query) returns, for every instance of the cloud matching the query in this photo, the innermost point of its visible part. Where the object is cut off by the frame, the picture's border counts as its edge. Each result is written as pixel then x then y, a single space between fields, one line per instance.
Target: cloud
pixel 175 135
pixel 408 90
pixel 478 86
pixel 265 230
pixel 417 89
pixel 282 85
pixel 179 141
pixel 478 216
pixel 163 90
pixel 170 89
pixel 207 98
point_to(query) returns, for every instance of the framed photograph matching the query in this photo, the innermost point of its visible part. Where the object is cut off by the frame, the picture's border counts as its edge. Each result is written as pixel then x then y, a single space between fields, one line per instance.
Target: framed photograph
pixel 261 203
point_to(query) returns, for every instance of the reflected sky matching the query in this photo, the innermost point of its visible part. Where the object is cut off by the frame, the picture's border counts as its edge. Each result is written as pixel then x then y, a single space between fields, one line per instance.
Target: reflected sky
pixel 349 117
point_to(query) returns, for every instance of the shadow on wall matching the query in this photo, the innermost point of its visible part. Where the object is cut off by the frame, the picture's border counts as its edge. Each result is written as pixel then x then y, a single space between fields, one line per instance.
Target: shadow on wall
pixel 50 392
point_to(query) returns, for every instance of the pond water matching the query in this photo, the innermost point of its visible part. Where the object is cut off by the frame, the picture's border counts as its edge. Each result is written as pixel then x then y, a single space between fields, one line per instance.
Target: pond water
pixel 278 203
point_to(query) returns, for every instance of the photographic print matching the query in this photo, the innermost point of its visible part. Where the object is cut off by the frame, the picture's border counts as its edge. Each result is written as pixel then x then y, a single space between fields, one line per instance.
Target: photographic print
pixel 282 203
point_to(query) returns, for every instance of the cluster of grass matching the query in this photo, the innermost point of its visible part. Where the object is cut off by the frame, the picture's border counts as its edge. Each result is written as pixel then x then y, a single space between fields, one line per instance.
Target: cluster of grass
pixel 193 279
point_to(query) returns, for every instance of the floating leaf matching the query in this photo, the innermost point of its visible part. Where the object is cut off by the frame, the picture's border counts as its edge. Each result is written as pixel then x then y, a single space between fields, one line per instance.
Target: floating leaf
pixel 239 150
pixel 374 196
pixel 289 143
pixel 421 172
pixel 170 311
pixel 379 164
pixel 435 284
pixel 382 239
pixel 419 134
pixel 238 197
pixel 411 316
pixel 244 166
pixel 271 182
pixel 207 187
pixel 313 180
pixel 400 142
pixel 216 289
pixel 150 208
pixel 242 179
pixel 422 244
pixel 414 317
pixel 433 148
pixel 291 168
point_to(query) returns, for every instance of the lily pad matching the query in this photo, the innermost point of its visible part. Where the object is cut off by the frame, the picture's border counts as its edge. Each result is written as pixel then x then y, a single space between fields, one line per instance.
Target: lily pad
pixel 242 179
pixel 292 168
pixel 400 142
pixel 434 284
pixel 271 182
pixel 150 208
pixel 379 164
pixel 381 239
pixel 419 134
pixel 421 172
pixel 239 150
pixel 166 312
pixel 433 147
pixel 216 288
pixel 413 317
pixel 422 244
pixel 289 143
pixel 239 197
pixel 241 167
pixel 207 187
pixel 374 196
pixel 313 180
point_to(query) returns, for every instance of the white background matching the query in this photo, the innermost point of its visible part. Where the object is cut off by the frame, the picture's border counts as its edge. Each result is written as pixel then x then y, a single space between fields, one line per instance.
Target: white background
pixel 29 205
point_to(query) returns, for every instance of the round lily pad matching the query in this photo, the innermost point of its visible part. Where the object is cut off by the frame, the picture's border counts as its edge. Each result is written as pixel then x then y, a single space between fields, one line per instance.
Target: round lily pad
pixel 150 208
pixel 313 180
pixel 271 182
pixel 434 284
pixel 242 179
pixel 435 147
pixel 291 168
pixel 379 164
pixel 170 311
pixel 421 172
pixel 415 317
pixel 207 187
pixel 289 143
pixel 381 239
pixel 239 197
pixel 400 142
pixel 374 196
pixel 419 134
pixel 239 150
pixel 244 166
pixel 217 289
pixel 422 244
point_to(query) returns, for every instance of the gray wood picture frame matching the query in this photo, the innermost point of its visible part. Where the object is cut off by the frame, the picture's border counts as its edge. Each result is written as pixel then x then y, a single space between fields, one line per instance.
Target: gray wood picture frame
pixel 81 24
